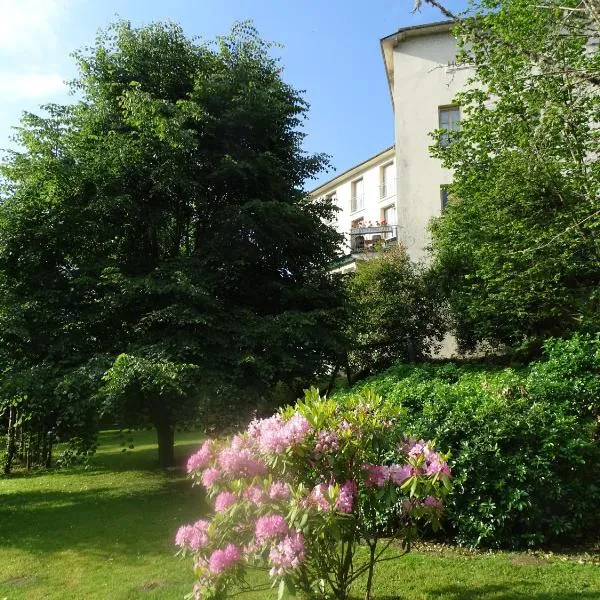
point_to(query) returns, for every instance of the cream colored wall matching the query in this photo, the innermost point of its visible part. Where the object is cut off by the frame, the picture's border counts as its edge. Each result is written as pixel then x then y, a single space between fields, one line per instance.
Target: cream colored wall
pixel 423 82
pixel 373 204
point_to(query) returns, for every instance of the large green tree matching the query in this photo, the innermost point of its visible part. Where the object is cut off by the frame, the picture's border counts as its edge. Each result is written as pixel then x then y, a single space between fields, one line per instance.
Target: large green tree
pixel 163 216
pixel 518 250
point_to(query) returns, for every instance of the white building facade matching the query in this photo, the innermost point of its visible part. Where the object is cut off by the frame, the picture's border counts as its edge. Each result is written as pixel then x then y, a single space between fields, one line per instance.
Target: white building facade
pixel 365 196
pixel 423 77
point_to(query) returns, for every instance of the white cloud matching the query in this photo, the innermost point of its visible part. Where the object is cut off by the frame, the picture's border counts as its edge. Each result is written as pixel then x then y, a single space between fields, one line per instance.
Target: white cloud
pixel 17 86
pixel 29 26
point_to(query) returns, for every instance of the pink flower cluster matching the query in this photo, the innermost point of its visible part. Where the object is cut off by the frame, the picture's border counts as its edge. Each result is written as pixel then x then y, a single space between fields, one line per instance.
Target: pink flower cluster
pixel 224 500
pixel 240 462
pixel 221 560
pixel 287 554
pixel 433 463
pixel 379 475
pixel 318 496
pixel 193 536
pixel 345 499
pixel 274 435
pixel 270 527
pixel 200 459
pixel 321 494
pixel 210 476
pixel 279 491
pixel 327 441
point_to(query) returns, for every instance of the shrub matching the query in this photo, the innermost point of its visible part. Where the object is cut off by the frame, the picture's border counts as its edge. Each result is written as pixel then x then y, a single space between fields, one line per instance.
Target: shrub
pixel 525 452
pixel 570 374
pixel 299 491
pixel 394 313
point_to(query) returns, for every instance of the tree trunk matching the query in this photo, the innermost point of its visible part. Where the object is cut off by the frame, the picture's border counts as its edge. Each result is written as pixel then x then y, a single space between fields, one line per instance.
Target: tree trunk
pixel 166 444
pixel 11 442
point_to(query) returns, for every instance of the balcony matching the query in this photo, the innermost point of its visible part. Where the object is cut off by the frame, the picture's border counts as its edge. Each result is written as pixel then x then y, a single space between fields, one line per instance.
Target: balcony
pixel 368 239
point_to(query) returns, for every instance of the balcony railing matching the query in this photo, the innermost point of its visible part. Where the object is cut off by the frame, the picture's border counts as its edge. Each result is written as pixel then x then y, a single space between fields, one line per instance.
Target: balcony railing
pixel 369 239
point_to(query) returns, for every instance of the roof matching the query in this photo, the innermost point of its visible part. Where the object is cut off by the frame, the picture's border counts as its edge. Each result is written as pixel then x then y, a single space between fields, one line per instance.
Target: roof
pixel 352 171
pixel 389 42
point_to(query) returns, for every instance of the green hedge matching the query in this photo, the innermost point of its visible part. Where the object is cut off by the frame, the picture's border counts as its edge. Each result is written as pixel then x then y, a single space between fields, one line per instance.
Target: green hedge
pixel 526 456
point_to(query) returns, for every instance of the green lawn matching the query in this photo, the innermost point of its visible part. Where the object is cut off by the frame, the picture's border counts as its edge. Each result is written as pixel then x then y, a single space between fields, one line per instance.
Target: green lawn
pixel 106 532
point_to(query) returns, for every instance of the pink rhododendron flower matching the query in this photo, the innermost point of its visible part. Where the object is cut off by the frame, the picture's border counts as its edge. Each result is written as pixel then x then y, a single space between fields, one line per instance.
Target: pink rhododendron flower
pixel 317 496
pixel 377 475
pixel 210 476
pixel 254 494
pixel 270 527
pixel 240 462
pixel 279 491
pixel 193 536
pixel 200 459
pixel 400 473
pixel 287 554
pixel 434 465
pixel 224 500
pixel 345 499
pixel 327 441
pixel 274 435
pixel 221 560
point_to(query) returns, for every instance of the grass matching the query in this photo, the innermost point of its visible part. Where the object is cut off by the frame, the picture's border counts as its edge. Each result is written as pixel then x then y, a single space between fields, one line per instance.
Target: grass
pixel 106 533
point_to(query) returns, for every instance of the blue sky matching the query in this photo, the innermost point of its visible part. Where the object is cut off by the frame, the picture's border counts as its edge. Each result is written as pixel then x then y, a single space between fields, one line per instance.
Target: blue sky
pixel 331 51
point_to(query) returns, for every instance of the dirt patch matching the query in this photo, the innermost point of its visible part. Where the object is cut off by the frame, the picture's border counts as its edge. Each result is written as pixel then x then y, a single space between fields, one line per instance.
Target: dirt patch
pixel 150 585
pixel 528 560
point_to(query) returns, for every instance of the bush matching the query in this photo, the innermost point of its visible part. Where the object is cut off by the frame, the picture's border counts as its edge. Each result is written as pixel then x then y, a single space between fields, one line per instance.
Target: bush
pixel 298 492
pixel 394 313
pixel 524 446
pixel 570 374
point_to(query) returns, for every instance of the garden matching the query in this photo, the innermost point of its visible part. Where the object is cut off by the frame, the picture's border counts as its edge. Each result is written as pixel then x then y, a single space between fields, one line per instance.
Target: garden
pixel 193 404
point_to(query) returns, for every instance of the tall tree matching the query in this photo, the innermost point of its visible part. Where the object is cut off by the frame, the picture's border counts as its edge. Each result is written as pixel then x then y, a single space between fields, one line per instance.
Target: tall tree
pixel 518 249
pixel 163 216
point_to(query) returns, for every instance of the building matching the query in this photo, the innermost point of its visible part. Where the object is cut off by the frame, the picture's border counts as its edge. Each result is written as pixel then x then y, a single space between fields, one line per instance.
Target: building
pixel 423 77
pixel 403 186
pixel 366 199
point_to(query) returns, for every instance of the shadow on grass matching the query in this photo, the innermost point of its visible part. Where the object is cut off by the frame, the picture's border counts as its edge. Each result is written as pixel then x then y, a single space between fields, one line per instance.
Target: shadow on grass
pixel 138 459
pixel 105 521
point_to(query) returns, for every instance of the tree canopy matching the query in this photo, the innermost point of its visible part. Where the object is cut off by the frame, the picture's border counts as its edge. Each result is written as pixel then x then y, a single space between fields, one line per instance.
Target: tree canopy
pixel 517 250
pixel 163 216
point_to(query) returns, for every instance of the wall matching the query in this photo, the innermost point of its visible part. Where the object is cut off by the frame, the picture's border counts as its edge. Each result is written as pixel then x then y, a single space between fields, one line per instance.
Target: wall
pixel 423 82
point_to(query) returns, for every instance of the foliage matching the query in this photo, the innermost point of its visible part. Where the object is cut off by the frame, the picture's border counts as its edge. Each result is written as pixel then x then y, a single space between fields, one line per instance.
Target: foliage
pixel 394 312
pixel 569 374
pixel 158 392
pixel 524 444
pixel 79 535
pixel 517 249
pixel 163 216
pixel 298 491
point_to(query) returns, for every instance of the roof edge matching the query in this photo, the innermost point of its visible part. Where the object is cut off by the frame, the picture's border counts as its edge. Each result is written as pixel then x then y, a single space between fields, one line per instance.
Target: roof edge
pixel 351 171
pixel 389 42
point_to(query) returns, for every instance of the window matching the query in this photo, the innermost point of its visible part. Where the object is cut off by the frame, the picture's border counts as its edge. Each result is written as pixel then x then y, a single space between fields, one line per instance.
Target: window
pixel 443 196
pixel 389 214
pixel 449 120
pixel 387 187
pixel 357 202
